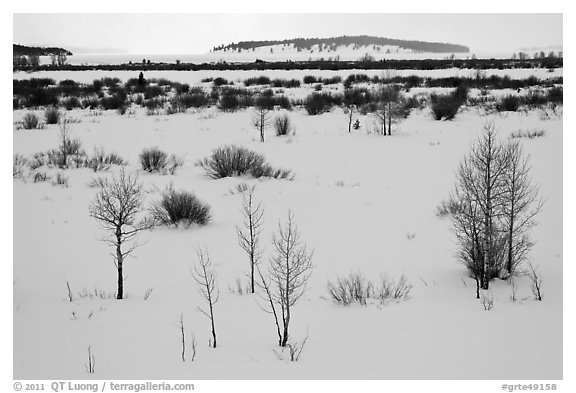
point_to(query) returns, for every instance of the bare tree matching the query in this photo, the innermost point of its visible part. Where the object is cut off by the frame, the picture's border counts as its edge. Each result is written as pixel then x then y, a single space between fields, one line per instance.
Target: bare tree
pixel 205 275
pixel 520 207
pixel 262 119
pixel 289 271
pixel 249 234
pixel 379 114
pixel 351 110
pixel 388 108
pixel 480 198
pixel 182 337
pixel 353 99
pixel 116 207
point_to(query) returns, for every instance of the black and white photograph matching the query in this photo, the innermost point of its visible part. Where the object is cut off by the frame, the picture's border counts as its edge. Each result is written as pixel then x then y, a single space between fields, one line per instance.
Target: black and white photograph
pixel 288 196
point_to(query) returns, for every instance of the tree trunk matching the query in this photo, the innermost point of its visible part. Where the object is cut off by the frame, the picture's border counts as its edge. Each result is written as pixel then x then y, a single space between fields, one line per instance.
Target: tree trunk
pixel 350 108
pixel 119 260
pixel 510 253
pixel 511 228
pixel 120 294
pixel 252 273
pixel 285 336
pixel 262 118
pixel 477 287
pixel 212 323
pixel 252 247
pixel 389 119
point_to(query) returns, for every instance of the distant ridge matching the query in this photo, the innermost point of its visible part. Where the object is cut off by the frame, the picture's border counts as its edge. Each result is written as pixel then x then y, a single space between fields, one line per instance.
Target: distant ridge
pixel 22 50
pixel 332 43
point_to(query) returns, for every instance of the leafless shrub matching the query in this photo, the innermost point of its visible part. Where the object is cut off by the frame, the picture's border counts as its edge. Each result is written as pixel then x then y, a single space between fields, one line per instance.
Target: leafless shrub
pixel 282 125
pixel 60 180
pixel 40 177
pixel 153 160
pixel 446 208
pixel 30 122
pixel 69 294
pixel 294 349
pixel 95 293
pixel 205 276
pixel 487 300
pixel 391 290
pixel 91 361
pixel 18 164
pixel 535 281
pixel 98 182
pixel 51 115
pixel 193 345
pixel 354 288
pixel 530 134
pixel 239 189
pixel 69 151
pixel 101 161
pixel 148 293
pixel 230 161
pixel 174 162
pixel 180 208
pixel 240 288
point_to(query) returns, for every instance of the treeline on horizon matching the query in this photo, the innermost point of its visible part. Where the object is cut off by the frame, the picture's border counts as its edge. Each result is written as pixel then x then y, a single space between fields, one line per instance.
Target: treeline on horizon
pixel 332 43
pixel 392 64
pixel 23 50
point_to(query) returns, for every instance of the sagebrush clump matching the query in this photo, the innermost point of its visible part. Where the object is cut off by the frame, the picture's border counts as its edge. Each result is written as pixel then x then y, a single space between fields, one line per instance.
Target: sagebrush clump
pixel 282 125
pixel 357 289
pixel 180 208
pixel 51 115
pixel 231 161
pixel 30 122
pixel 153 160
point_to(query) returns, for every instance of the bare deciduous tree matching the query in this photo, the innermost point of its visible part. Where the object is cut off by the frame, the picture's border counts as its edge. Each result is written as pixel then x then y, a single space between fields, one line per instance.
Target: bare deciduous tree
pixel 351 110
pixel 289 271
pixel 249 234
pixel 494 207
pixel 388 109
pixel 262 118
pixel 479 195
pixel 520 207
pixel 116 207
pixel 205 275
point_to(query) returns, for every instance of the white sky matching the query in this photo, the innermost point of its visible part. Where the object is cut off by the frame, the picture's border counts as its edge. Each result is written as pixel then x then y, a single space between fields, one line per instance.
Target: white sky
pixel 198 33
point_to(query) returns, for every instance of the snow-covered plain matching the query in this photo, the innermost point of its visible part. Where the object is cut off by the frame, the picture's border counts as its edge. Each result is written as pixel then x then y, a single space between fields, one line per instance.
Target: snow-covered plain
pixel 363 202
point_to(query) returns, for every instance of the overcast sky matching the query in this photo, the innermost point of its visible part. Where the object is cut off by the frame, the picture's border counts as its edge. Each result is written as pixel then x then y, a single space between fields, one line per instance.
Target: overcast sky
pixel 198 33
